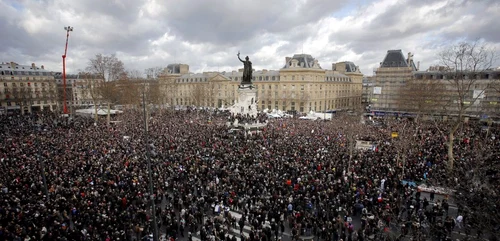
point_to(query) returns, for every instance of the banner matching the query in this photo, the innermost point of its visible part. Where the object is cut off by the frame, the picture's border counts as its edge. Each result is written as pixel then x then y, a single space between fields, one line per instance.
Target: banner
pixel 478 94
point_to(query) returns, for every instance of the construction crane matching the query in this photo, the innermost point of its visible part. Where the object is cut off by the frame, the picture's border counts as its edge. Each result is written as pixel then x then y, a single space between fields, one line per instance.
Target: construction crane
pixel 65 107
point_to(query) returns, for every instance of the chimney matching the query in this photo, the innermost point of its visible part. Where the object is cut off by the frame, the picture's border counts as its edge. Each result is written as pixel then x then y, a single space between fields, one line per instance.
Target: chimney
pixel 42 67
pixel 418 65
pixel 334 66
pixel 33 65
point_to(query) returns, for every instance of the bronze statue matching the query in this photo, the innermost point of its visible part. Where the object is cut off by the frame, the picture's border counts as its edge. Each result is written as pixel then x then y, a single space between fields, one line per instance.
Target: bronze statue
pixel 247 71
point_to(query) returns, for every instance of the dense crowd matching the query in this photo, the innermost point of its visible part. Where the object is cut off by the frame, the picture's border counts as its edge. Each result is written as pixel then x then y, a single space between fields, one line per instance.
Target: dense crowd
pixel 297 175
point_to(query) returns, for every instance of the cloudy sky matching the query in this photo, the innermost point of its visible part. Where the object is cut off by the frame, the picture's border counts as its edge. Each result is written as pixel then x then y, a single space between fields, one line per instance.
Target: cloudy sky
pixel 207 34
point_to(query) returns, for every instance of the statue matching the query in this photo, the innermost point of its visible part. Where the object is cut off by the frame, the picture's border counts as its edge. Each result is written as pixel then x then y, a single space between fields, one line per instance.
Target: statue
pixel 247 71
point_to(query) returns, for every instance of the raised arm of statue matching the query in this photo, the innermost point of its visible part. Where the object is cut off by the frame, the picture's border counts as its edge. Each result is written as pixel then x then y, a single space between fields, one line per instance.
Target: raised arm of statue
pixel 239 57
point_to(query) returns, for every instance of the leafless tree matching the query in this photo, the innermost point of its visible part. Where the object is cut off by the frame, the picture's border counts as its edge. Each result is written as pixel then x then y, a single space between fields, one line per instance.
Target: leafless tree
pixel 286 98
pixel 155 94
pixel 25 98
pixel 198 94
pixel 422 97
pixel 91 85
pixel 304 98
pixel 212 90
pixel 463 64
pixel 110 68
pixel 153 72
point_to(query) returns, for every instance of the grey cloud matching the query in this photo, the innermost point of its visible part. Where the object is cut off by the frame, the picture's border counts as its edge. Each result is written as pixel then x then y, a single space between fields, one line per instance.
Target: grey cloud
pixel 229 22
pixel 395 28
pixel 222 27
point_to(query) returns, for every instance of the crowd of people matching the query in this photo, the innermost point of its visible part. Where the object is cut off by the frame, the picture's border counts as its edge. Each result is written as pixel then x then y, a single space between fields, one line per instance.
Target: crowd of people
pixel 73 179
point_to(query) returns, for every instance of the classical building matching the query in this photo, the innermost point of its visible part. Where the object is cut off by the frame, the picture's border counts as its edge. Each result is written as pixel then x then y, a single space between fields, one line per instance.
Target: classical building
pixel 400 88
pixel 80 90
pixel 301 85
pixel 26 88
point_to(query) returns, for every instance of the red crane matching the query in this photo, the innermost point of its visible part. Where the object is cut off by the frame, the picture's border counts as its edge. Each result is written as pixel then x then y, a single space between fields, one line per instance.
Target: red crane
pixel 65 107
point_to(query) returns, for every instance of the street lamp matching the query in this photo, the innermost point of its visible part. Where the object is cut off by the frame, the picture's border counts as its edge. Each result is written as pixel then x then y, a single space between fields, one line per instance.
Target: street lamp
pixel 65 107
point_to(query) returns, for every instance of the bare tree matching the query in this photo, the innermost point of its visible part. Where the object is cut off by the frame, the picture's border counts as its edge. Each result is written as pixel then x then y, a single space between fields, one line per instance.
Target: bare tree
pixel 212 90
pixel 25 98
pixel 130 88
pixel 423 96
pixel 286 98
pixel 91 85
pixel 153 72
pixel 155 94
pixel 304 100
pixel 463 63
pixel 110 68
pixel 168 87
pixel 198 94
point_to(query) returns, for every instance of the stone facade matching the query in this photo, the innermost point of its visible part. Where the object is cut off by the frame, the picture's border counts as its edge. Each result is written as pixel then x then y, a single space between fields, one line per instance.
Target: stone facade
pixel 400 88
pixel 26 88
pixel 301 85
pixel 80 89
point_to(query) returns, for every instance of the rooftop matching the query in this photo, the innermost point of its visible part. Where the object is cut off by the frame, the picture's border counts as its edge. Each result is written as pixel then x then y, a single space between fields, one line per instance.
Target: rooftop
pixel 301 61
pixel 13 66
pixel 396 59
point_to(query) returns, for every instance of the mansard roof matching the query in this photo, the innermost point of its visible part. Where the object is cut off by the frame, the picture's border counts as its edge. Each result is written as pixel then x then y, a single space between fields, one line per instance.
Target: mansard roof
pixel 304 61
pixel 394 58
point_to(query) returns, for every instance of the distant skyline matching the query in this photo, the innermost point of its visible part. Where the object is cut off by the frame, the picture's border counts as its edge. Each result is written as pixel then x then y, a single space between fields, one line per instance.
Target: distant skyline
pixel 207 35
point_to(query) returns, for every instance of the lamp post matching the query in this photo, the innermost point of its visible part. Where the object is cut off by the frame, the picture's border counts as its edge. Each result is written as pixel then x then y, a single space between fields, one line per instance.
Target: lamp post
pixel 65 107
pixel 150 176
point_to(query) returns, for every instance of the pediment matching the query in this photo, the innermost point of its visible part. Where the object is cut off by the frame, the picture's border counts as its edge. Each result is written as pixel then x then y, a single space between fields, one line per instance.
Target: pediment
pixel 218 78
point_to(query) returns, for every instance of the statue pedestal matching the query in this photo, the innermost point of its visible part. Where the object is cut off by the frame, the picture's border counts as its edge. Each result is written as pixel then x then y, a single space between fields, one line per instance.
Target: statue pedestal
pixel 246 104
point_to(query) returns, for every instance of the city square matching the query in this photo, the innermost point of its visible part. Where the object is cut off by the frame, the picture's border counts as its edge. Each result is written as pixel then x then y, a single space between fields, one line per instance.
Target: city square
pixel 197 129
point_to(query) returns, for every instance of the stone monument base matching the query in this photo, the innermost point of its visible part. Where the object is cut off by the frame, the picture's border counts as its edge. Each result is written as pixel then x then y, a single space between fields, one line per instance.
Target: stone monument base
pixel 247 98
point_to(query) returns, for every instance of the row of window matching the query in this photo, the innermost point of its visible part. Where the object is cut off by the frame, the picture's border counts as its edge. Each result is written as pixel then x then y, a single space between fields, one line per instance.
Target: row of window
pixel 38 102
pixel 341 103
pixel 27 84
pixel 12 78
pixel 450 76
pixel 30 73
pixel 263 78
